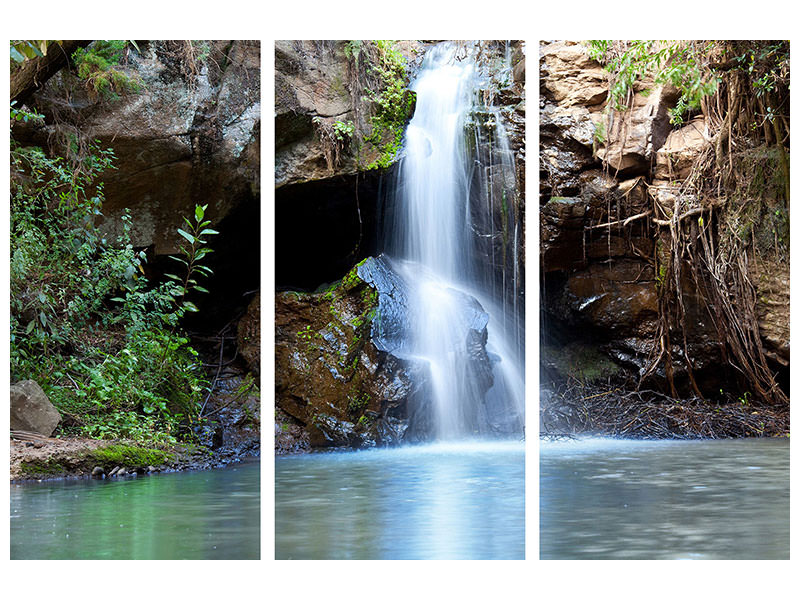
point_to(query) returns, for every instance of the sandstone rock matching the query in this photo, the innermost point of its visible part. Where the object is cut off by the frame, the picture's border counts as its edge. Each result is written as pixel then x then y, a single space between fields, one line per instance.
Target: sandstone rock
pixel 633 136
pixel 771 278
pixel 570 76
pixel 674 160
pixel 573 88
pixel 31 410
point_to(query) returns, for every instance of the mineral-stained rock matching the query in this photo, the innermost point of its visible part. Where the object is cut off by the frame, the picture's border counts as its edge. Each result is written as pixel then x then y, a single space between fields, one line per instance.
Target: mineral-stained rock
pixel 31 410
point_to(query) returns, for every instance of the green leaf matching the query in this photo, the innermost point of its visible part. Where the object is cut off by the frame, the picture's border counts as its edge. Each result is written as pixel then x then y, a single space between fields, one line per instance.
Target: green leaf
pixel 16 55
pixel 201 289
pixel 190 307
pixel 180 260
pixel 209 232
pixel 30 327
pixel 188 236
pixel 198 213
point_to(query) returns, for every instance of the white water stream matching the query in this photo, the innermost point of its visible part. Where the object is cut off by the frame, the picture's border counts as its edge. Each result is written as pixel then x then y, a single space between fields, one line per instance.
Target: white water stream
pixel 431 237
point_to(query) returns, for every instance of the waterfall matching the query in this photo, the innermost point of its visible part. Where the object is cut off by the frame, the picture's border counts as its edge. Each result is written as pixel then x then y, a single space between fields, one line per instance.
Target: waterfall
pixel 455 181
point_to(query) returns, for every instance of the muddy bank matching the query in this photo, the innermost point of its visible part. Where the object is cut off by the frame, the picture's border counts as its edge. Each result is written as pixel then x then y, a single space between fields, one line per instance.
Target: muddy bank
pixel 647 414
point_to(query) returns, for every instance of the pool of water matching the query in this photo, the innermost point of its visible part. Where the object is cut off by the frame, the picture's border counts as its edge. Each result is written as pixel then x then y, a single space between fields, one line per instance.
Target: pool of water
pixel 620 499
pixel 442 501
pixel 213 514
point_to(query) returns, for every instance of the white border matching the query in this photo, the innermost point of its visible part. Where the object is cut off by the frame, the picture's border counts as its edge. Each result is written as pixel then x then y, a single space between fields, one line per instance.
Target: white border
pixel 315 19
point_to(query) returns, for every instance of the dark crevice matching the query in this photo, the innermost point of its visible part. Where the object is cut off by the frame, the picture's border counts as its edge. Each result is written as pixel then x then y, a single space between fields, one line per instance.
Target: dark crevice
pixel 325 228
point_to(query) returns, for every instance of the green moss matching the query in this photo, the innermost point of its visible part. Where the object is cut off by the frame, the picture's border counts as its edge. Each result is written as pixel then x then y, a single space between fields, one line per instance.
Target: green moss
pixel 358 402
pixel 129 456
pixel 47 468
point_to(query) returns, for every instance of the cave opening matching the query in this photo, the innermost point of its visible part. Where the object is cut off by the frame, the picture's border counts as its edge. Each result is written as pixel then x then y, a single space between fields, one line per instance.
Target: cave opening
pixel 325 228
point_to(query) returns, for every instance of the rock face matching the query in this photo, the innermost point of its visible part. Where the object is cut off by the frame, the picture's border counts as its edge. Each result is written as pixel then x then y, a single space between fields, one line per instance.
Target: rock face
pixel 602 173
pixel 317 85
pixel 634 136
pixel 190 135
pixel 31 410
pixel 248 335
pixel 498 171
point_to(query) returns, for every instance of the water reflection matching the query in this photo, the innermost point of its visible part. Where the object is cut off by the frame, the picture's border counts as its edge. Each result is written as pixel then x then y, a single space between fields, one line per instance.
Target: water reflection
pixel 449 501
pixel 195 515
pixel 718 499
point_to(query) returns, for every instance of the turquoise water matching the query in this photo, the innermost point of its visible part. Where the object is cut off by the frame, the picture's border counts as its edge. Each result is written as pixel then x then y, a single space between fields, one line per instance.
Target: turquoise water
pixel 629 499
pixel 213 514
pixel 441 501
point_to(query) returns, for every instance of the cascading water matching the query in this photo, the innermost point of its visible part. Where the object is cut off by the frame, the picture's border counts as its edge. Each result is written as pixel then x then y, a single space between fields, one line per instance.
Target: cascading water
pixel 466 328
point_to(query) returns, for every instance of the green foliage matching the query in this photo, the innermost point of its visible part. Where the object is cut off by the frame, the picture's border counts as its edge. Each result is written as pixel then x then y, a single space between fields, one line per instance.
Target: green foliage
pixel 600 132
pixel 677 63
pixel 20 114
pixel 766 64
pixel 344 130
pixel 352 49
pixel 98 65
pixel 306 334
pixel 85 322
pixel 358 402
pixel 22 50
pixel 392 102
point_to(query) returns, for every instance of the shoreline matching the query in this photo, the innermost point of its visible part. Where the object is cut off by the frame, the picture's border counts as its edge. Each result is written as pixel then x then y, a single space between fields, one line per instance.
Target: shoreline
pixel 79 458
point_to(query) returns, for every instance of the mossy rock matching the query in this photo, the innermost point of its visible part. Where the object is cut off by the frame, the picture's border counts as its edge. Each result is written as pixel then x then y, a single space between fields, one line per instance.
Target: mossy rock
pixel 580 361
pixel 132 457
pixel 43 469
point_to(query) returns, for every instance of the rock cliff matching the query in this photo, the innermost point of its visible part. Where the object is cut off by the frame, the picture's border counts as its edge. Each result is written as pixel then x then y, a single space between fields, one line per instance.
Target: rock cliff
pixel 609 181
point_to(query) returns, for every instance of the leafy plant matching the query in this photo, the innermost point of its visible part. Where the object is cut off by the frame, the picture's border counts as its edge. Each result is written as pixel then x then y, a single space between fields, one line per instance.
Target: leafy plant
pixel 678 63
pixel 85 321
pixel 99 66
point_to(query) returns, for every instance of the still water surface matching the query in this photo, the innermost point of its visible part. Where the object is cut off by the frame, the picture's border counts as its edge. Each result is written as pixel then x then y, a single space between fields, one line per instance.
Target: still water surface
pixel 210 514
pixel 442 501
pixel 618 499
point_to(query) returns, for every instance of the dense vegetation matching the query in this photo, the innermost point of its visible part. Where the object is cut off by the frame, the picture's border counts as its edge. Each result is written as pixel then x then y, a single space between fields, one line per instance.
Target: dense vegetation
pixel 102 340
